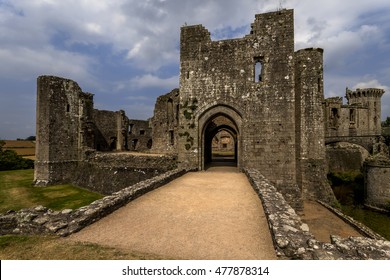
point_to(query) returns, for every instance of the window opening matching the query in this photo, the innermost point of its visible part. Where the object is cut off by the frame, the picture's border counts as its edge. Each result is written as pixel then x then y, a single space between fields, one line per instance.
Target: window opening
pixel 131 128
pixel 258 70
pixel 170 110
pixel 149 144
pixel 352 115
pixel 177 113
pixel 171 137
pixel 141 132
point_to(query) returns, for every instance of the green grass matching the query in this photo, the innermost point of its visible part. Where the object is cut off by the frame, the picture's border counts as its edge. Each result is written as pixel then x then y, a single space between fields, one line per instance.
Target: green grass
pixel 17 192
pixel 56 248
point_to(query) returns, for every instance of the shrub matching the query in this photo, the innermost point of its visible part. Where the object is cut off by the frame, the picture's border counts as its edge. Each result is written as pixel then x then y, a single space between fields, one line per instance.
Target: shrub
pixel 10 160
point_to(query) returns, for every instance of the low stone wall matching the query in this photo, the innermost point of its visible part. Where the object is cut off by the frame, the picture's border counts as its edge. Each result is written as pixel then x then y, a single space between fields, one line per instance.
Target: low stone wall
pixel 110 172
pixel 41 220
pixel 292 238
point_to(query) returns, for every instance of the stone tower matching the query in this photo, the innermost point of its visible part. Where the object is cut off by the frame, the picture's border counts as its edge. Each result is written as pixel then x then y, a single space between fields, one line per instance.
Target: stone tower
pixel 310 132
pixel 266 96
pixel 64 113
pixel 369 98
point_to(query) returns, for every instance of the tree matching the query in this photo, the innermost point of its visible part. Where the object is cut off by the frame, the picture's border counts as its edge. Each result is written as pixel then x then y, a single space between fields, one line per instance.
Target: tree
pixel 10 160
pixel 31 138
pixel 386 123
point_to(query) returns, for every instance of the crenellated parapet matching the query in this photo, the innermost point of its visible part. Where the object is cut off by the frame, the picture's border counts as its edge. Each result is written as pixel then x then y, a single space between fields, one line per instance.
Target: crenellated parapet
pixel 363 93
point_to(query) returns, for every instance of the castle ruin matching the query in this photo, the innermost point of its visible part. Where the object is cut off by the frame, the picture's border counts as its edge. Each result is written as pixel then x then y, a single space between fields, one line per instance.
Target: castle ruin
pixel 256 91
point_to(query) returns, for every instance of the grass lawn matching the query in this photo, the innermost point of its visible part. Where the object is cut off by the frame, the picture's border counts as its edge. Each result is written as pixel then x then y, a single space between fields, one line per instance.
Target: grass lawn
pixel 17 192
pixel 57 248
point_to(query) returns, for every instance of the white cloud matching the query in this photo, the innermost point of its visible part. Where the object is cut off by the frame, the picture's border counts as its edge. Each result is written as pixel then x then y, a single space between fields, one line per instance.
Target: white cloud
pixel 44 37
pixel 26 63
pixel 150 81
pixel 370 84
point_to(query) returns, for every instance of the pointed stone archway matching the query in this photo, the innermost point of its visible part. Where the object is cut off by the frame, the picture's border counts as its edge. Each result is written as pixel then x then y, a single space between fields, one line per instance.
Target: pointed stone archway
pixel 212 121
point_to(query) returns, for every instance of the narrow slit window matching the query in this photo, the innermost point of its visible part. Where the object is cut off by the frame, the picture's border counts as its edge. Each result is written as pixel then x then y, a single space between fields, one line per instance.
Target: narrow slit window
pixel 171 137
pixel 67 108
pixel 258 70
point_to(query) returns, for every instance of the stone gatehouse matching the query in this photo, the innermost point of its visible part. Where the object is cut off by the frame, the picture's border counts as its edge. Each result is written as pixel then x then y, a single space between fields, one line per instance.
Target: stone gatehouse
pixel 257 89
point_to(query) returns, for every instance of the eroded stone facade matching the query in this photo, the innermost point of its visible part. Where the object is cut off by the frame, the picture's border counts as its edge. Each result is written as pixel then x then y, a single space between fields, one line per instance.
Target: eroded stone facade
pixel 257 89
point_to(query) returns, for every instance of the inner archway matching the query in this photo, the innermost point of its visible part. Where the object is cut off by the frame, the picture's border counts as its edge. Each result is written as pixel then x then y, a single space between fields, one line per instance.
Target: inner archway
pixel 211 121
pixel 223 147
pixel 220 142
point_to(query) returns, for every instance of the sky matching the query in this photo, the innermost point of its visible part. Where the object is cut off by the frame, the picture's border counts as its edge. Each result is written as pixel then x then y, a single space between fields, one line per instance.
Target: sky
pixel 126 52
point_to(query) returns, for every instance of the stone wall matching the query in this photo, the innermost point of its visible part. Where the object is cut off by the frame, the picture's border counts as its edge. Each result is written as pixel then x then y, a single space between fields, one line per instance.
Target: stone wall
pixel 111 129
pixel 310 132
pixel 293 240
pixel 64 112
pixel 345 157
pixel 359 117
pixel 40 220
pixel 110 172
pixel 377 181
pixel 165 123
pixel 140 136
pixel 221 78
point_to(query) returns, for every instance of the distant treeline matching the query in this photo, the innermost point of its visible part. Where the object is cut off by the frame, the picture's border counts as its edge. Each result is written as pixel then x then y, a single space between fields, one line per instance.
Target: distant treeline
pixel 10 160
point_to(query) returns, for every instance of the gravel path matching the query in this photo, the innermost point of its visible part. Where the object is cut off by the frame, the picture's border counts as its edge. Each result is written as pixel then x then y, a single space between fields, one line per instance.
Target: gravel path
pixel 201 215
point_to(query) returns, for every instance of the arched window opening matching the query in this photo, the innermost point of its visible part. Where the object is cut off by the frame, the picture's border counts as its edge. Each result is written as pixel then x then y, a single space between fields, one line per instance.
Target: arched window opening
pixel 258 69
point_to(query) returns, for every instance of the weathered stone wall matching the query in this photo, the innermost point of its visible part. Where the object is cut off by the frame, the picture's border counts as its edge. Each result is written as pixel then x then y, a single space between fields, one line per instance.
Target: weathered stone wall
pixel 68 132
pixel 359 117
pixel 63 113
pixel 140 136
pixel 219 78
pixel 111 129
pixel 293 240
pixel 345 157
pixel 377 181
pixel 40 220
pixel 110 172
pixel 310 133
pixel 165 123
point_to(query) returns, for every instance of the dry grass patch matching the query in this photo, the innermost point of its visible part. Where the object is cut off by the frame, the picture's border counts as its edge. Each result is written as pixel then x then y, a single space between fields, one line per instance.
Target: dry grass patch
pixel 17 192
pixel 56 248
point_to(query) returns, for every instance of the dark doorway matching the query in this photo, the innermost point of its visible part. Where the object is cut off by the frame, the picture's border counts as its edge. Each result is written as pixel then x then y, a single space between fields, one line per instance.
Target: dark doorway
pixel 220 142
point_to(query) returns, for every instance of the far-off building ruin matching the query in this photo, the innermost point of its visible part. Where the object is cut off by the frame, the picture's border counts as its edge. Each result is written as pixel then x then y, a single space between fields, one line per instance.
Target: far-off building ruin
pixel 254 99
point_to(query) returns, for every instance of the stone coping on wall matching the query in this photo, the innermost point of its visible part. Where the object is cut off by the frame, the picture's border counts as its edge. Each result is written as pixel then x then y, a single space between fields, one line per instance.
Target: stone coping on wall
pixel 292 238
pixel 41 220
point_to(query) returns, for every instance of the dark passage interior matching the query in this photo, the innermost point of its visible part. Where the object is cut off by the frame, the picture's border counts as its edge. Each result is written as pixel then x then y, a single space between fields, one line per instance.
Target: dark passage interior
pixel 220 142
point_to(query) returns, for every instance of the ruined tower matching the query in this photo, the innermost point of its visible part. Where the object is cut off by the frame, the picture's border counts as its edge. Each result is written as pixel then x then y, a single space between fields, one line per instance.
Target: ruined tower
pixel 310 130
pixel 64 114
pixel 269 96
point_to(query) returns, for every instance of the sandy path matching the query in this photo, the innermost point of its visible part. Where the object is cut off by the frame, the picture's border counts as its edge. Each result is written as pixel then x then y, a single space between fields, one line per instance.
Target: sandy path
pixel 201 215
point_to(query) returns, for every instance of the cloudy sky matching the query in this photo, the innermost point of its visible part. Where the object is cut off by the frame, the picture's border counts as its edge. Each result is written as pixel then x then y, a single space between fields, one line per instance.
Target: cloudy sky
pixel 126 52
